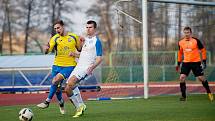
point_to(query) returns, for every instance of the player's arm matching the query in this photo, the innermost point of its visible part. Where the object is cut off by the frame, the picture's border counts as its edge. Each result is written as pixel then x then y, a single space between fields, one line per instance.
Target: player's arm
pixel 180 54
pixel 202 49
pixel 81 42
pixel 50 45
pixel 75 54
pixel 78 42
pixel 98 57
pixel 93 66
pixel 46 48
pixel 77 46
pixel 203 52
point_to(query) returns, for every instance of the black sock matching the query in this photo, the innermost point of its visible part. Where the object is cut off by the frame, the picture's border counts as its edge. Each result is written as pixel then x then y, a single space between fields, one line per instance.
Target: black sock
pixel 183 89
pixel 46 102
pixel 206 86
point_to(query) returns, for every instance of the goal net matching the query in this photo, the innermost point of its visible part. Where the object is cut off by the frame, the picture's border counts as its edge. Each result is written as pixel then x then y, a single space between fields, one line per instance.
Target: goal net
pixel 123 77
pixel 121 74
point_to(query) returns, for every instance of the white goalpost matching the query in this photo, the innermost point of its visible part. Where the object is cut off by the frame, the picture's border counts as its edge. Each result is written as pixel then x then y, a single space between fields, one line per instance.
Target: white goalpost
pixel 145 48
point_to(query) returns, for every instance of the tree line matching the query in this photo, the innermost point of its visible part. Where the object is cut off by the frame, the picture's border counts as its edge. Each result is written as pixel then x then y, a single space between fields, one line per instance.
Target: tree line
pixel 25 23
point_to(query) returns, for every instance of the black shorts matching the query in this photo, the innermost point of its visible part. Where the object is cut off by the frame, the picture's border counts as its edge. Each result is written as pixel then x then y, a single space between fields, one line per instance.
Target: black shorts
pixel 194 66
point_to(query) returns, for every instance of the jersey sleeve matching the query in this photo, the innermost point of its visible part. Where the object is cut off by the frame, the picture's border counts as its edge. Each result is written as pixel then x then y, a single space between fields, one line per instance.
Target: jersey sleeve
pixel 52 42
pixel 77 41
pixel 98 48
pixel 202 49
pixel 180 53
pixel 78 44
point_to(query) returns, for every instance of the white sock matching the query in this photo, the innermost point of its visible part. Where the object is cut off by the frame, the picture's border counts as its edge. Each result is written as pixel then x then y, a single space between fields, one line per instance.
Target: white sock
pixel 78 95
pixel 75 101
pixel 48 100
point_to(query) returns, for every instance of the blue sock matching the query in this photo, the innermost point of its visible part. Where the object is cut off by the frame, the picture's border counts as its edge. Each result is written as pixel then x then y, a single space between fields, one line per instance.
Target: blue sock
pixel 59 95
pixel 52 91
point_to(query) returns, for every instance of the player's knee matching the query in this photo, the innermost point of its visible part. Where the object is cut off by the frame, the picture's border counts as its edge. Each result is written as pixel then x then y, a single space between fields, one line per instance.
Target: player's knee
pixel 55 81
pixel 68 90
pixel 201 78
pixel 71 81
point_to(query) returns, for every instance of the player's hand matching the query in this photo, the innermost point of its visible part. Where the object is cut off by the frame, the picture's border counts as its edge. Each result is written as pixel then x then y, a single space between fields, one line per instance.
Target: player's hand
pixel 82 39
pixel 72 54
pixel 46 48
pixel 90 70
pixel 204 65
pixel 177 68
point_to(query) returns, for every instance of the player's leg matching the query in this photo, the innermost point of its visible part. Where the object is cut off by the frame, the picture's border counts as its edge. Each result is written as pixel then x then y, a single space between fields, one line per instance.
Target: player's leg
pixel 185 70
pixel 65 71
pixel 199 73
pixel 81 107
pixel 71 82
pixel 76 98
pixel 78 95
pixel 75 95
pixel 206 86
pixel 60 99
pixel 57 77
pixel 73 92
pixel 183 87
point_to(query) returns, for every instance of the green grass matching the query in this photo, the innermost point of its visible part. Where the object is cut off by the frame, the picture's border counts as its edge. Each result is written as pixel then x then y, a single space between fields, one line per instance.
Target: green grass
pixel 159 108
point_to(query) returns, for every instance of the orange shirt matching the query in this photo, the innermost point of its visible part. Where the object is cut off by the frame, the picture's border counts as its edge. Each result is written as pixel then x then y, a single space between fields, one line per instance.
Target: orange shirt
pixel 189 50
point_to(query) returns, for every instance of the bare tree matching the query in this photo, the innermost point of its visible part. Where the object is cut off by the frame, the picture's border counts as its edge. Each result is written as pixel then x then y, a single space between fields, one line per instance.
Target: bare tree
pixel 28 25
pixel 2 17
pixel 7 13
pixel 102 10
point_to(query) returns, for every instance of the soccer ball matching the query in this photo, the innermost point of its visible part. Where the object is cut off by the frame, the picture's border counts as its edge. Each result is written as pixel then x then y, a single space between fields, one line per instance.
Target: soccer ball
pixel 26 114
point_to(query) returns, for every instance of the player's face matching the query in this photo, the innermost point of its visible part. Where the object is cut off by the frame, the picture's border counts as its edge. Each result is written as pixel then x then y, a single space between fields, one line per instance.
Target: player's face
pixel 187 33
pixel 90 29
pixel 59 29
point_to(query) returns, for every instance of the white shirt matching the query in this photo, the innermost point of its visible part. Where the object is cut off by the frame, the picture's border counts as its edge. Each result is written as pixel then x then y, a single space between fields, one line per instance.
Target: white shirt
pixel 91 49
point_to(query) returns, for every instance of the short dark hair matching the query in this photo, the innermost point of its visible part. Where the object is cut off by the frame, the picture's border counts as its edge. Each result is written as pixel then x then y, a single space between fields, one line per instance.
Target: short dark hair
pixel 92 22
pixel 188 28
pixel 59 22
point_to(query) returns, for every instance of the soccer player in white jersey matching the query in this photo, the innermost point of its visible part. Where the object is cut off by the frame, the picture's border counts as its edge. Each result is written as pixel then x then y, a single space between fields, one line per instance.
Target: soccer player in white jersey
pixel 89 58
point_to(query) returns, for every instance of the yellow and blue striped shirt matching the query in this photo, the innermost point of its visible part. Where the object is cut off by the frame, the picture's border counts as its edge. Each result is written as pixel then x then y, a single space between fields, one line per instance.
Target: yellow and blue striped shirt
pixel 63 45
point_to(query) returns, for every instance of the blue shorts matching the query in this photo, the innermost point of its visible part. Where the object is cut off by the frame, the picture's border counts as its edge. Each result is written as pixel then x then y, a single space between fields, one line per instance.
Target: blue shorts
pixel 64 71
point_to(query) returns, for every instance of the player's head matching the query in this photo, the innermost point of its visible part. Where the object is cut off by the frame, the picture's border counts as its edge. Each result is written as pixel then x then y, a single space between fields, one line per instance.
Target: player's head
pixel 187 32
pixel 59 27
pixel 91 27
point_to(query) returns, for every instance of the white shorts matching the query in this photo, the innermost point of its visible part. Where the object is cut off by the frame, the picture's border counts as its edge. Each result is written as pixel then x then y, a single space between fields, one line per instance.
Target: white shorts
pixel 79 72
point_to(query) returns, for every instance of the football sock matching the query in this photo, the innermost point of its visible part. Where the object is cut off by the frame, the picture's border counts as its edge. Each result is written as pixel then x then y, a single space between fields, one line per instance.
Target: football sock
pixel 206 86
pixel 61 101
pixel 79 98
pixel 183 89
pixel 74 100
pixel 59 95
pixel 52 91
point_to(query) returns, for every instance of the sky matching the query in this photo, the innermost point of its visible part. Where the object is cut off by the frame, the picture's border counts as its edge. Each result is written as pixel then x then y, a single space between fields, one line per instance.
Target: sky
pixel 79 27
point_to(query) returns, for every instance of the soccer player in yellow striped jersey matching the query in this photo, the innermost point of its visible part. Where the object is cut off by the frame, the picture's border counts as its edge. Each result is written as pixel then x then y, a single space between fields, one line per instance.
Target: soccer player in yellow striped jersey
pixel 65 44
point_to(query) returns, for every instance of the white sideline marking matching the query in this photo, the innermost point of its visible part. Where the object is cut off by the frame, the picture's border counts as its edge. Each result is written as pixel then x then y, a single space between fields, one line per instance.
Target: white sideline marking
pixel 117 86
pixel 152 85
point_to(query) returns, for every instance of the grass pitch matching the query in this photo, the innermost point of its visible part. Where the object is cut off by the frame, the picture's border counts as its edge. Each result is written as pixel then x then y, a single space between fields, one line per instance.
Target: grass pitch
pixel 159 108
